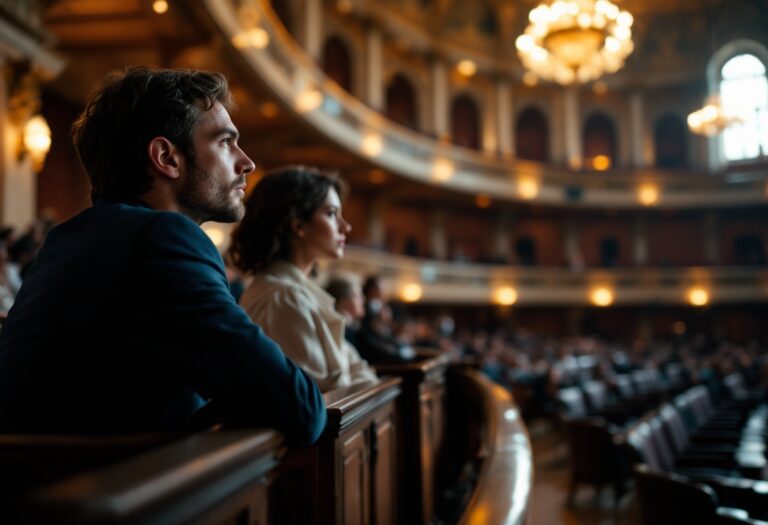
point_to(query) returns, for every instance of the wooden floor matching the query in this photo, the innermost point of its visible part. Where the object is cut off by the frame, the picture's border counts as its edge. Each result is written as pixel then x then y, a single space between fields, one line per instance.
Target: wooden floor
pixel 550 457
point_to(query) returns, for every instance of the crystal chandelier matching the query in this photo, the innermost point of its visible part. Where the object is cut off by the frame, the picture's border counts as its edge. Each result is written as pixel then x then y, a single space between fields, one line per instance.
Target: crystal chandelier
pixel 571 41
pixel 711 119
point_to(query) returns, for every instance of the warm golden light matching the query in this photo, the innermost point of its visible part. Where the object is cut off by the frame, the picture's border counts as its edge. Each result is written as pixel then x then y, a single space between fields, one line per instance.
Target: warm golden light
pixel 309 100
pixel 698 296
pixel 571 41
pixel 530 78
pixel 269 109
pixel 601 162
pixel 344 6
pixel 411 292
pixel 37 140
pixel 216 234
pixel 527 187
pixel 601 296
pixel 466 68
pixel 600 88
pixel 505 296
pixel 648 194
pixel 372 144
pixel 711 119
pixel 442 170
pixel 160 6
pixel 256 38
pixel 377 176
pixel 483 201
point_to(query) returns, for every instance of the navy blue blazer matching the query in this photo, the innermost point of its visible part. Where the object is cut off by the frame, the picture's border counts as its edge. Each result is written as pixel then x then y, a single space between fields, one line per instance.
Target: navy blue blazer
pixel 125 322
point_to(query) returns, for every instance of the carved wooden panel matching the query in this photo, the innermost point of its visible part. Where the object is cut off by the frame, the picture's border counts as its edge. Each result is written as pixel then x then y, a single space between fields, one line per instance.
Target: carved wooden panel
pixel 384 472
pixel 355 482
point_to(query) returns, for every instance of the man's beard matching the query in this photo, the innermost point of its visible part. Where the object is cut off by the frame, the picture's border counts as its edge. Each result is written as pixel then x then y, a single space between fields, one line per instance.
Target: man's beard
pixel 202 200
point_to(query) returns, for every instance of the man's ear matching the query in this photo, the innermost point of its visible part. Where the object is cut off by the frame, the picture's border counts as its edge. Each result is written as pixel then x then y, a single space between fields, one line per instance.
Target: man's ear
pixel 165 157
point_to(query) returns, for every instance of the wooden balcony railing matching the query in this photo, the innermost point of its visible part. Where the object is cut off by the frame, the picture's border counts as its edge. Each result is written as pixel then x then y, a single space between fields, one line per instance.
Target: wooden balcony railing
pixel 380 461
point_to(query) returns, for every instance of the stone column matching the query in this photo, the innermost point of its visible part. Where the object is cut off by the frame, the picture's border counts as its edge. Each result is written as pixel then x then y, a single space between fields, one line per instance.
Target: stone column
pixel 374 78
pixel 376 229
pixel 439 125
pixel 571 246
pixel 504 125
pixel 502 235
pixel 571 128
pixel 18 181
pixel 637 132
pixel 712 249
pixel 640 240
pixel 312 28
pixel 438 240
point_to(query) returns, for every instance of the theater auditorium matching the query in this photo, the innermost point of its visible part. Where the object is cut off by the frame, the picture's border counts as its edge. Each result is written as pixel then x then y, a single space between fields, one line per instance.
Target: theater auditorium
pixel 554 263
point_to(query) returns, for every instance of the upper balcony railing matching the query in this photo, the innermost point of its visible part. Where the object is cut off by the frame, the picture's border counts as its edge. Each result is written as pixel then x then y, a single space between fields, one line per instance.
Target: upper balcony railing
pixel 466 283
pixel 296 79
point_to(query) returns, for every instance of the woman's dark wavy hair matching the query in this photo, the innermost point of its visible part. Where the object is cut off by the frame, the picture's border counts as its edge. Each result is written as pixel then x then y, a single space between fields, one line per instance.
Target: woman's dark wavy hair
pixel 133 107
pixel 264 235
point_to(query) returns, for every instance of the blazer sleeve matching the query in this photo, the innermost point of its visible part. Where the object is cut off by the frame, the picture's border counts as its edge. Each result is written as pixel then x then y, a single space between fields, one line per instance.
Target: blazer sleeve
pixel 197 332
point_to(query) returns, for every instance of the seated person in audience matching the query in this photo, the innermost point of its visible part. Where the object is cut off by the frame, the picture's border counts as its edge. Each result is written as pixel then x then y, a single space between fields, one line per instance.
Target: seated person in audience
pixel 348 301
pixel 368 336
pixel 125 322
pixel 292 219
pixel 10 281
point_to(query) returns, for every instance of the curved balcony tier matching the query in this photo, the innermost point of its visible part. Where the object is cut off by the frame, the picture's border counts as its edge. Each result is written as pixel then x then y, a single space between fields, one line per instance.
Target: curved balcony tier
pixel 462 283
pixel 294 78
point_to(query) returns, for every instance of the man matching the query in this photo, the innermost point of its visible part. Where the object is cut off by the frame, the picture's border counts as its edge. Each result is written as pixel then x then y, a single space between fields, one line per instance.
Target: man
pixel 125 323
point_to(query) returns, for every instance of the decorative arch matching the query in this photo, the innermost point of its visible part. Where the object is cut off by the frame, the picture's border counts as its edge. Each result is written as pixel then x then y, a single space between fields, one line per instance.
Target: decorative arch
pixel 600 140
pixel 532 135
pixel 337 62
pixel 670 137
pixel 465 122
pixel 730 144
pixel 401 104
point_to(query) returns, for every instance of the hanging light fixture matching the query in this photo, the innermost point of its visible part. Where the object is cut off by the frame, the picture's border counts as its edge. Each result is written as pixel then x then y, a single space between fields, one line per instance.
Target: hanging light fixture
pixel 571 41
pixel 710 119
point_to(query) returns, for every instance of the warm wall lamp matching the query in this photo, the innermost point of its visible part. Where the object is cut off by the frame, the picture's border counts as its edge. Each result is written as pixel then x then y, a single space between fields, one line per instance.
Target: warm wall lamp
pixel 36 141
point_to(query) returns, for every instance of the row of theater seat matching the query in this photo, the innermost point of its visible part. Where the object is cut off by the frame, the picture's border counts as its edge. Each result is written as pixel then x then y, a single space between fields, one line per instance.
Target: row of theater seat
pixel 627 397
pixel 724 447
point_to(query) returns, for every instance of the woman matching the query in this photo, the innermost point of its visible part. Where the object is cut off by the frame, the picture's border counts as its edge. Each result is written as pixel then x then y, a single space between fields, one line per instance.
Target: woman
pixel 293 219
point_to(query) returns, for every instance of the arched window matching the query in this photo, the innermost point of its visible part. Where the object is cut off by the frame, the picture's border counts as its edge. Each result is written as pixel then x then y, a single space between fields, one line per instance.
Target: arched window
pixel 744 92
pixel 670 137
pixel 532 136
pixel 401 101
pixel 599 142
pixel 336 62
pixel 465 122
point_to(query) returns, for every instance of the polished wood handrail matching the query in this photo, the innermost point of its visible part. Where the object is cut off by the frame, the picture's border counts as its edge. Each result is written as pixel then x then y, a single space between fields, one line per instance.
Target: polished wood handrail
pixel 504 487
pixel 349 404
pixel 426 362
pixel 171 484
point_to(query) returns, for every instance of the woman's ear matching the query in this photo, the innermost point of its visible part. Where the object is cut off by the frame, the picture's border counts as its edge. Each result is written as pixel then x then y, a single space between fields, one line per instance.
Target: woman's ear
pixel 165 158
pixel 297 226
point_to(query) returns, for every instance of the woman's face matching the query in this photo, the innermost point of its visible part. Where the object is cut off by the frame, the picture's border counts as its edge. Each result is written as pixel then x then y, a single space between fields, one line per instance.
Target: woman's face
pixel 325 235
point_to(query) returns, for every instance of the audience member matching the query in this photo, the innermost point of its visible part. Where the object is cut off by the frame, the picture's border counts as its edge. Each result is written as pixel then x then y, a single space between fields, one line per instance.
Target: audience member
pixel 293 219
pixel 125 323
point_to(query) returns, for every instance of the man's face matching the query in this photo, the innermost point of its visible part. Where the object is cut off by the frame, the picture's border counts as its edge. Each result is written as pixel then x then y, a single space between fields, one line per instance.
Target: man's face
pixel 214 184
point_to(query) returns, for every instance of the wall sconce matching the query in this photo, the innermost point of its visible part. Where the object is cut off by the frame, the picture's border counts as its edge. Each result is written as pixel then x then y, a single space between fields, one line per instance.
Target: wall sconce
pixel 36 141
